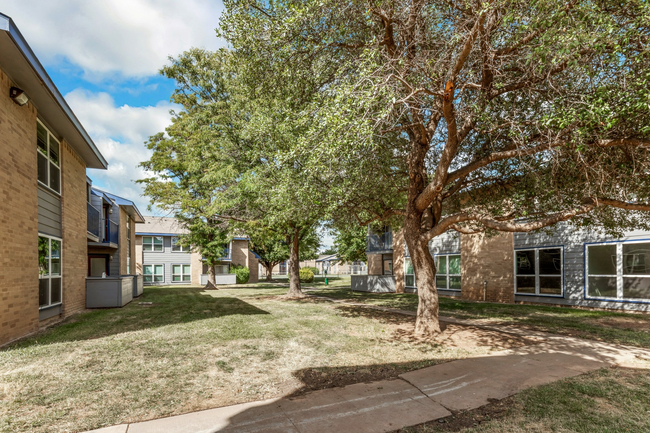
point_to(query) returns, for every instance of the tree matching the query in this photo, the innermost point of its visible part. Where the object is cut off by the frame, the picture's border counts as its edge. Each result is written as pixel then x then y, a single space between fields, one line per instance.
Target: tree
pixel 455 115
pixel 350 244
pixel 272 248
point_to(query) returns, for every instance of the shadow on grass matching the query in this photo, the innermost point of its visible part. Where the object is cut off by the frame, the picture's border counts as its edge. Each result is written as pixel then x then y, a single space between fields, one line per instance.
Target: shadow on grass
pixel 157 307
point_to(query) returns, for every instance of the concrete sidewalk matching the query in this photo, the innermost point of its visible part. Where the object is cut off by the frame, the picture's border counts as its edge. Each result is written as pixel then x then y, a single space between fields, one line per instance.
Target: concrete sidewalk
pixel 413 398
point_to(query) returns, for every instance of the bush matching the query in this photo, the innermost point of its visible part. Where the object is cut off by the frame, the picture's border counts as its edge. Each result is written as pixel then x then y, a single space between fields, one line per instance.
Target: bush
pixel 242 273
pixel 313 270
pixel 306 276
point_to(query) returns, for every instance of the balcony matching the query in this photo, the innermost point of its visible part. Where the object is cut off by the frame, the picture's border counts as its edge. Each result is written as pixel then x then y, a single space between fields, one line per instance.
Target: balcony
pixel 113 234
pixel 226 257
pixel 93 223
pixel 380 243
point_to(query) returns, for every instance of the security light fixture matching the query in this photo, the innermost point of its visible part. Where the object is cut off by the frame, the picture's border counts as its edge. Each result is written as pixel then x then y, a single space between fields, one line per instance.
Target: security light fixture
pixel 18 96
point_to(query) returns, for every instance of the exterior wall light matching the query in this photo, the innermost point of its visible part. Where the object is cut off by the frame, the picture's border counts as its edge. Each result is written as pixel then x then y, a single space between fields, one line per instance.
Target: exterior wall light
pixel 18 96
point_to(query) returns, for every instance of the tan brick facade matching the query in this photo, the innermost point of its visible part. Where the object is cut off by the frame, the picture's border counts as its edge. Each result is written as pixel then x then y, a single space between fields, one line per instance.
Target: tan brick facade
pixel 18 218
pixel 196 268
pixel 124 269
pixel 138 253
pixel 239 252
pixel 254 266
pixel 398 261
pixel 375 264
pixel 73 221
pixel 488 259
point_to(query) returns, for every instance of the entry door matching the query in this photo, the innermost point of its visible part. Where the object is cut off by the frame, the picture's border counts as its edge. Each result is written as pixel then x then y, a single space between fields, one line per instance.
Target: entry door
pixel 97 266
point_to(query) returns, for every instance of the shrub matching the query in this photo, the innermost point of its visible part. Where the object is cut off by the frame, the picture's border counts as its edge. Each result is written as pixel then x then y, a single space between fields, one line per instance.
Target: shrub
pixel 306 276
pixel 242 273
pixel 313 269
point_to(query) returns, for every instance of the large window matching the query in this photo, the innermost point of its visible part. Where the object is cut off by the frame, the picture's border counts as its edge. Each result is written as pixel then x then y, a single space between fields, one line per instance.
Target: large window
pixel 49 271
pixel 49 162
pixel 619 270
pixel 128 246
pixel 539 271
pixel 409 273
pixel 181 273
pixel 152 243
pixel 177 247
pixel 153 273
pixel 448 271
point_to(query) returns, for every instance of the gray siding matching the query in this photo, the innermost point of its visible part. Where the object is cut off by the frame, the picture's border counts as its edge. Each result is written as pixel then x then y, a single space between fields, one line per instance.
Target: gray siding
pixel 49 213
pixel 167 258
pixel 573 242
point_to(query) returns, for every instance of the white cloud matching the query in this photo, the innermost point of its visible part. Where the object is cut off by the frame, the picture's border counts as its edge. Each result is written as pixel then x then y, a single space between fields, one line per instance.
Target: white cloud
pixel 119 133
pixel 131 38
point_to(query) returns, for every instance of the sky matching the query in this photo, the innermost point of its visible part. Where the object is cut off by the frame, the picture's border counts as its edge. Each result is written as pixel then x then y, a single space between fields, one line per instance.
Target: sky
pixel 104 57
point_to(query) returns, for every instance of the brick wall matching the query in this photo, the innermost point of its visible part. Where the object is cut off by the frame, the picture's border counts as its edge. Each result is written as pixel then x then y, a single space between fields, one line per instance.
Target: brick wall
pixel 73 221
pixel 488 259
pixel 398 261
pixel 240 252
pixel 138 253
pixel 122 240
pixel 196 268
pixel 375 264
pixel 253 265
pixel 18 218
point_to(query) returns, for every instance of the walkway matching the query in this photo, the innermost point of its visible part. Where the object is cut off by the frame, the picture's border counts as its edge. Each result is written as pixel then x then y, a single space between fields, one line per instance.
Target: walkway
pixel 415 397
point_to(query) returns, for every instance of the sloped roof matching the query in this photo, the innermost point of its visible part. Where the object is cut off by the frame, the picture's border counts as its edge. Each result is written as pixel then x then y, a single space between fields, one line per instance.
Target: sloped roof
pixel 128 205
pixel 160 226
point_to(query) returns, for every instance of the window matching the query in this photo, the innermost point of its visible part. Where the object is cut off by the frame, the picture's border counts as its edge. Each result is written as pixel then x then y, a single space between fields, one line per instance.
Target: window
pixel 409 274
pixel 49 164
pixel 181 273
pixel 176 247
pixel 448 271
pixel 388 267
pixel 49 271
pixel 619 270
pixel 153 273
pixel 222 269
pixel 539 271
pixel 152 243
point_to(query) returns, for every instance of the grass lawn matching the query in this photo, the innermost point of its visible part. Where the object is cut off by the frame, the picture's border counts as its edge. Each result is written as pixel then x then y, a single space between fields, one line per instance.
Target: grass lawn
pixel 610 326
pixel 192 350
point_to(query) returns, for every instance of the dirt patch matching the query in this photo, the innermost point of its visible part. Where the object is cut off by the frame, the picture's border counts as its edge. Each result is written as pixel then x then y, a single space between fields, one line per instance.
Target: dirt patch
pixel 496 409
pixel 623 323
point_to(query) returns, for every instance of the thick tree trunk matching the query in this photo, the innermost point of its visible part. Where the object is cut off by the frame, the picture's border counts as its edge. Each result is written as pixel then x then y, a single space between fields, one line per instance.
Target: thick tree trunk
pixel 294 266
pixel 212 278
pixel 427 324
pixel 269 273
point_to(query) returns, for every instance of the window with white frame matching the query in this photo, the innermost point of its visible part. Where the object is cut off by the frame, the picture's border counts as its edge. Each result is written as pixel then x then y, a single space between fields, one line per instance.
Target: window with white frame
pixel 177 247
pixel 49 271
pixel 152 243
pixel 409 273
pixel 153 273
pixel 181 273
pixel 49 159
pixel 619 270
pixel 447 271
pixel 539 271
pixel 128 246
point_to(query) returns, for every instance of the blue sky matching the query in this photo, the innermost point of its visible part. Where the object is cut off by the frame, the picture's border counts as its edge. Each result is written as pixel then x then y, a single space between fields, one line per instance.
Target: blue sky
pixel 104 56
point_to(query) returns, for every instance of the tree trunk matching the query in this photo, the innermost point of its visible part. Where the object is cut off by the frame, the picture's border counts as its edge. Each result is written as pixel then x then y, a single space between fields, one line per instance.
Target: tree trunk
pixel 269 273
pixel 212 278
pixel 294 266
pixel 427 324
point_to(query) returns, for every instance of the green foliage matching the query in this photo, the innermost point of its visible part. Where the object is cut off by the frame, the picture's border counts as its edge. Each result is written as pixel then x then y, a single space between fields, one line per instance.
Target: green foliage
pixel 306 276
pixel 242 272
pixel 313 269
pixel 350 243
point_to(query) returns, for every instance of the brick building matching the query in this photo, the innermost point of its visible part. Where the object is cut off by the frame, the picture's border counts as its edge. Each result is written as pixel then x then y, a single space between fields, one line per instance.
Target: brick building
pixel 43 247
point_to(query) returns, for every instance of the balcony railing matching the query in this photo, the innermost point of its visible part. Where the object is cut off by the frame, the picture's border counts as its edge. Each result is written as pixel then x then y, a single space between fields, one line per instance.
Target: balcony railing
pixel 93 220
pixel 113 233
pixel 381 242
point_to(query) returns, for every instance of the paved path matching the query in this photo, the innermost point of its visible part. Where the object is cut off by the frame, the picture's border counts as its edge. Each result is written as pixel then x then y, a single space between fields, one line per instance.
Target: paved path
pixel 415 397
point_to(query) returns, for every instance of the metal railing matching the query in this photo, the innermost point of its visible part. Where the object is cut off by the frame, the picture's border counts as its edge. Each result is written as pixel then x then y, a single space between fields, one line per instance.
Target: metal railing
pixel 113 233
pixel 93 220
pixel 380 242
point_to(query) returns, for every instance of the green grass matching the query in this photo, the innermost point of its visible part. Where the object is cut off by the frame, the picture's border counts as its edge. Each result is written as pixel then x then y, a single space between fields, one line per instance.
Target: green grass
pixel 609 326
pixel 607 400
pixel 193 350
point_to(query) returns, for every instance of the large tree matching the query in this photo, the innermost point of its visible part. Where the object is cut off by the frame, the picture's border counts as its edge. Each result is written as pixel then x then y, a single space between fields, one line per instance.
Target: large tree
pixel 443 115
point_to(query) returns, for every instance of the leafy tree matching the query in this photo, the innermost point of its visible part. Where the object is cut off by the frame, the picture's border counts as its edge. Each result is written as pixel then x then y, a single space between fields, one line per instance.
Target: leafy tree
pixel 273 249
pixel 350 244
pixel 454 115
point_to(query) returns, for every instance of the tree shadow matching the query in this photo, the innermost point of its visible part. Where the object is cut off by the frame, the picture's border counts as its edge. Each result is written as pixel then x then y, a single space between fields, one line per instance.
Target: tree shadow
pixel 157 307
